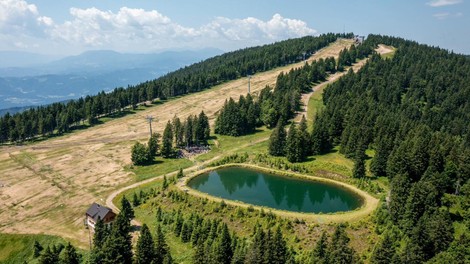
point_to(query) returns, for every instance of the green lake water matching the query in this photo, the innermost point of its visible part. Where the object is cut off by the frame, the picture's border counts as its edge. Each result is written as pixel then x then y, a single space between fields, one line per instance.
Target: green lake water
pixel 279 192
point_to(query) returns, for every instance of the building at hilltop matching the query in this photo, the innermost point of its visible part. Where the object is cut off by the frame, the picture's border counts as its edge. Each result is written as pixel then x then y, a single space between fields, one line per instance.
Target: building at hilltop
pixel 97 211
pixel 359 39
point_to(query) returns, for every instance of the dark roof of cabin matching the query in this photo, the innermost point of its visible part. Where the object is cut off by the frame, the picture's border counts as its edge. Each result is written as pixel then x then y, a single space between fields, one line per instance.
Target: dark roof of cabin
pixel 98 211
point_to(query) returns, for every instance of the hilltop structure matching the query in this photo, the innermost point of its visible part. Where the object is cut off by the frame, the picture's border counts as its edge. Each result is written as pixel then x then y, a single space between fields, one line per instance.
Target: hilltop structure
pixel 97 211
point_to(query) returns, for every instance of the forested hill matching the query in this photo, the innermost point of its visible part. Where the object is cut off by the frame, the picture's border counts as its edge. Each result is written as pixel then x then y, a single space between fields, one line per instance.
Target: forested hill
pixel 59 117
pixel 413 110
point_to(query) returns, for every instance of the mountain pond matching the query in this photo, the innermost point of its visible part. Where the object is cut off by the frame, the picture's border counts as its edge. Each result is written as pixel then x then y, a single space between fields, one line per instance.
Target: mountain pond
pixel 279 192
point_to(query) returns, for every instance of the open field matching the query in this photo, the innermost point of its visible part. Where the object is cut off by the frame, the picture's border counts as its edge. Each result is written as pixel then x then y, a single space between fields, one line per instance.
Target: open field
pixel 47 186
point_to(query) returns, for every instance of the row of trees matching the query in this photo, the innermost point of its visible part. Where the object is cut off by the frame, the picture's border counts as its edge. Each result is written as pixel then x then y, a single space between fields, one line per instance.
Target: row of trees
pixel 214 243
pixel 413 110
pixel 238 118
pixel 193 131
pixel 58 118
pixel 280 103
pixel 293 144
pixel 334 250
pixel 56 254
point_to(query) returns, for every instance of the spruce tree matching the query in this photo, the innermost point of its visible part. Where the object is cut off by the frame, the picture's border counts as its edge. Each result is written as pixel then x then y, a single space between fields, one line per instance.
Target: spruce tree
pixel 339 250
pixel 294 152
pixel 153 145
pixel 180 173
pixel 135 200
pixel 359 169
pixel 69 255
pixel 384 251
pixel 280 248
pixel 223 244
pixel 167 141
pixel 126 209
pixel 49 256
pixel 139 154
pixel 320 252
pixel 277 141
pixel 188 131
pixel 100 236
pixel 37 248
pixel 118 246
pixel 145 249
pixel 305 137
pixel 178 130
pixel 199 256
pixel 202 128
pixel 162 251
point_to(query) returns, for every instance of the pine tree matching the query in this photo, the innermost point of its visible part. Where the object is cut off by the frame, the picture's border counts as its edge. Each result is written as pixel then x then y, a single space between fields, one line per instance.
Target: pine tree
pixel 162 251
pixel 223 245
pixel 100 236
pixel 339 250
pixel 69 255
pixel 188 131
pixel 37 248
pixel 280 248
pixel 118 246
pixel 294 152
pixel 255 254
pixel 165 183
pixel 199 256
pixel 180 174
pixel 153 145
pixel 135 200
pixel 202 128
pixel 359 169
pixel 139 154
pixel 277 141
pixel 126 209
pixel 49 256
pixel 145 249
pixel 178 130
pixel 167 141
pixel 305 137
pixel 384 251
pixel 320 252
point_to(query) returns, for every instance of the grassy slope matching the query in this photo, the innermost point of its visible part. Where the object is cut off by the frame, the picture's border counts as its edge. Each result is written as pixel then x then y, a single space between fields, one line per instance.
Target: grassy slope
pixel 17 248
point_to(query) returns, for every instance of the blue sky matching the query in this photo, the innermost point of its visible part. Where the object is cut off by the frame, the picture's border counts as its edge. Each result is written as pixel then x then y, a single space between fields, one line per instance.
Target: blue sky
pixel 73 26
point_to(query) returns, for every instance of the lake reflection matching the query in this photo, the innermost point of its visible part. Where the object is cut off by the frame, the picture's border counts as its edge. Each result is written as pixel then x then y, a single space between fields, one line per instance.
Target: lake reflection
pixel 264 189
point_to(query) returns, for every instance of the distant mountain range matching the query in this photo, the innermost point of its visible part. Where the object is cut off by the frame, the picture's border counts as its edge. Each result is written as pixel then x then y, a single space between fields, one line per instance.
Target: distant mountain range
pixel 38 79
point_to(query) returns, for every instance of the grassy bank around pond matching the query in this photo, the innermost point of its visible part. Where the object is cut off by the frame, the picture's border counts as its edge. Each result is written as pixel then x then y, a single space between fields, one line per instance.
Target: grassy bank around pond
pixel 369 203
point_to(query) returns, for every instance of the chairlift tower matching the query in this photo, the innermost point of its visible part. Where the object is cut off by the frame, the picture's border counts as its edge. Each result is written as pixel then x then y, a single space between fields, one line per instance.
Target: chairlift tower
pixel 150 119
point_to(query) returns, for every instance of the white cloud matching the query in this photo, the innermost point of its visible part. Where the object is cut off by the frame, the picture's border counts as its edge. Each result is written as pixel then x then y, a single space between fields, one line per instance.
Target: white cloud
pixel 136 30
pixel 150 29
pixel 17 17
pixel 438 3
pixel 445 15
pixel 441 16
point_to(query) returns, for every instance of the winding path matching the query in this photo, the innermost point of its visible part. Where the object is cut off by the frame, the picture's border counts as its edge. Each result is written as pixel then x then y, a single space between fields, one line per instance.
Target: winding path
pixel 382 49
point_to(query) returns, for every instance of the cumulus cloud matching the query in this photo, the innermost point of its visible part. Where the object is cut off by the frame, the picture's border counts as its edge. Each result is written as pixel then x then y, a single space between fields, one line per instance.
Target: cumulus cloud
pixel 441 16
pixel 17 17
pixel 130 29
pixel 438 3
pixel 445 15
